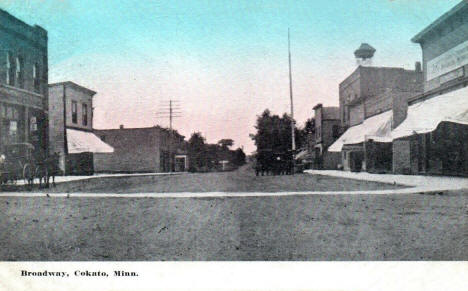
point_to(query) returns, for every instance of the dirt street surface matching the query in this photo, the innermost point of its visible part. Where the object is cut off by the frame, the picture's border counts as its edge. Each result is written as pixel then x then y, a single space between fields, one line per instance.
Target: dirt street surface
pixel 314 227
pixel 303 227
pixel 243 180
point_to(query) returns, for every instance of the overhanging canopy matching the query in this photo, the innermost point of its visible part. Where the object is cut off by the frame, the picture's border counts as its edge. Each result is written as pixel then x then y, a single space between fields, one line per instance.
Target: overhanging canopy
pixel 79 141
pixel 425 116
pixel 377 127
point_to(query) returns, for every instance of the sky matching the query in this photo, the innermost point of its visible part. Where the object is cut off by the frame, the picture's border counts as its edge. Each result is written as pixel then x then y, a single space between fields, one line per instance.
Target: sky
pixel 225 62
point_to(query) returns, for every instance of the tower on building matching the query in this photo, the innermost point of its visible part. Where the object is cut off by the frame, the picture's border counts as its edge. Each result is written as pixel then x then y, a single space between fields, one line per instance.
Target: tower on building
pixel 364 55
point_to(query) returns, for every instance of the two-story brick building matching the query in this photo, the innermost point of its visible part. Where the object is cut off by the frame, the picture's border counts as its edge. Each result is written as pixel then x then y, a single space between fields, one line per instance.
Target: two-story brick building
pixel 71 128
pixel 371 100
pixel 433 138
pixel 23 83
pixel 327 130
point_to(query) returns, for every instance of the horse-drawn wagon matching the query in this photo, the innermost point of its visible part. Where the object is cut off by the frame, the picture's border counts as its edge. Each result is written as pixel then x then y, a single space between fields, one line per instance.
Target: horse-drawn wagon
pixel 18 163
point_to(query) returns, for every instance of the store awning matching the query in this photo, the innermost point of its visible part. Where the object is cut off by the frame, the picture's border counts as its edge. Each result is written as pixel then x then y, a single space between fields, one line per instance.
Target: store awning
pixel 79 141
pixel 377 128
pixel 425 116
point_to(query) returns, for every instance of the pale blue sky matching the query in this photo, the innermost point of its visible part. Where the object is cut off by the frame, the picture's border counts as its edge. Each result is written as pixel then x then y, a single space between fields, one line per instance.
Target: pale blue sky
pixel 225 61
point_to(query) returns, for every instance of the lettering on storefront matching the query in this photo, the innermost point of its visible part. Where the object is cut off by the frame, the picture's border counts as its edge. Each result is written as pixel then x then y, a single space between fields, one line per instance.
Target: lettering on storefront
pixel 448 61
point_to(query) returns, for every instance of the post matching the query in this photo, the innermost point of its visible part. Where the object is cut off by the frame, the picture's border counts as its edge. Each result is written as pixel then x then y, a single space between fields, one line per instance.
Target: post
pixel 293 138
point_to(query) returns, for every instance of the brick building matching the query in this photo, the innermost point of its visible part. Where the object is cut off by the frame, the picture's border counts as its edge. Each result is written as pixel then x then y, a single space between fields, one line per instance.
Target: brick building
pixel 372 102
pixel 141 150
pixel 433 137
pixel 23 84
pixel 327 130
pixel 71 128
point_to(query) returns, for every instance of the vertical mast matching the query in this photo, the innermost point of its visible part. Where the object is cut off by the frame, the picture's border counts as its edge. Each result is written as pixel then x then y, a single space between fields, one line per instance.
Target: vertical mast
pixel 293 143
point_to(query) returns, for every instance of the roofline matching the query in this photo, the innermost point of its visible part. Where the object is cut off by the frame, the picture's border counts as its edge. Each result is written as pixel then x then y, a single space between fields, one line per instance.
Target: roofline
pixel 138 128
pixel 72 84
pixel 420 36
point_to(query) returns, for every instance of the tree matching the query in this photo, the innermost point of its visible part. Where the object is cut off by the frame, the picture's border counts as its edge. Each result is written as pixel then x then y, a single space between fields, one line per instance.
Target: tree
pixel 197 151
pixel 274 133
pixel 226 143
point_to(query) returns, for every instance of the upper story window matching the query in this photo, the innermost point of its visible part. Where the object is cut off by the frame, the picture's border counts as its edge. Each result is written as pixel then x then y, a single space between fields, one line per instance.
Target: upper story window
pixel 85 114
pixel 10 74
pixel 335 131
pixel 36 78
pixel 19 72
pixel 74 111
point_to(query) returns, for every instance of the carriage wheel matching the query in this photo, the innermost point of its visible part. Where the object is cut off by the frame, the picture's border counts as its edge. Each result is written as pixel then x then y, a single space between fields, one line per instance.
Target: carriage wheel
pixel 28 175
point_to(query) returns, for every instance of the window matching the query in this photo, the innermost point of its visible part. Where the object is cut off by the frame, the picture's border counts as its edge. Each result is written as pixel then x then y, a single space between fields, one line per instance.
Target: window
pixel 36 78
pixel 85 114
pixel 33 124
pixel 74 111
pixel 19 72
pixel 10 76
pixel 335 131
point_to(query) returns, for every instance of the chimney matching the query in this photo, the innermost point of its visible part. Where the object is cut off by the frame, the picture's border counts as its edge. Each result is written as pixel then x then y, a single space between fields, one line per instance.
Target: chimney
pixel 417 67
pixel 121 126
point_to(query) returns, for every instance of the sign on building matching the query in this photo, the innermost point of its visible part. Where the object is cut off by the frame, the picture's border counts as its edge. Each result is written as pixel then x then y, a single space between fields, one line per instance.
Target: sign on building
pixel 448 61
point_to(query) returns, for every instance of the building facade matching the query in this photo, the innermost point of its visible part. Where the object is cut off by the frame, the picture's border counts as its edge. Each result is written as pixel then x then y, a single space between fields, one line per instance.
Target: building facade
pixel 141 150
pixel 372 102
pixel 433 137
pixel 71 128
pixel 327 130
pixel 23 84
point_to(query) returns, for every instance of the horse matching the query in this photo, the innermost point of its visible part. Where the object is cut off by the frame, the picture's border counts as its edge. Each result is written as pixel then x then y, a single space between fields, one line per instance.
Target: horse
pixel 48 168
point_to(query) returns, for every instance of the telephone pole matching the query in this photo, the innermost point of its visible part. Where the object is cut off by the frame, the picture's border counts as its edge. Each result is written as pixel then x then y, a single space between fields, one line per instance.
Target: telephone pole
pixel 293 126
pixel 170 109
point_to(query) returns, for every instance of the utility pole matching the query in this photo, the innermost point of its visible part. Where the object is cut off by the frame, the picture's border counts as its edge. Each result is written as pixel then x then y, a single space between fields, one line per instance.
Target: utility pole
pixel 170 109
pixel 293 126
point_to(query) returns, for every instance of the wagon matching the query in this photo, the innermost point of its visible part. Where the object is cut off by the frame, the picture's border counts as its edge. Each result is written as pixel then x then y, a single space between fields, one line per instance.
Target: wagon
pixel 17 163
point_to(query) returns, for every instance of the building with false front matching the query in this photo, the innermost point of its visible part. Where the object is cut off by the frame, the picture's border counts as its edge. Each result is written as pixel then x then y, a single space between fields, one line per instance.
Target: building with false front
pixel 327 130
pixel 372 102
pixel 23 84
pixel 148 149
pixel 71 128
pixel 433 138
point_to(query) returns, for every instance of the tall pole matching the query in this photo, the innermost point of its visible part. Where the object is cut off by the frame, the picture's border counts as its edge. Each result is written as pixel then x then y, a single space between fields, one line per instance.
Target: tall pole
pixel 171 167
pixel 170 109
pixel 293 126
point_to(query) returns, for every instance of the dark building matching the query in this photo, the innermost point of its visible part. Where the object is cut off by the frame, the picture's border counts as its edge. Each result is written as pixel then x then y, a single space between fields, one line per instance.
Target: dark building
pixel 433 137
pixel 23 84
pixel 141 150
pixel 372 102
pixel 71 128
pixel 327 130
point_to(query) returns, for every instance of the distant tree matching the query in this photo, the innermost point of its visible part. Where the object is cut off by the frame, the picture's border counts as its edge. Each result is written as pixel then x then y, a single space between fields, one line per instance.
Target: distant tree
pixel 197 151
pixel 274 132
pixel 238 157
pixel 226 143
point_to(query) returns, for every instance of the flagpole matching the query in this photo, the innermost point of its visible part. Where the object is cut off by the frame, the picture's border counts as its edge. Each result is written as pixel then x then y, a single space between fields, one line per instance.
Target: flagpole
pixel 293 126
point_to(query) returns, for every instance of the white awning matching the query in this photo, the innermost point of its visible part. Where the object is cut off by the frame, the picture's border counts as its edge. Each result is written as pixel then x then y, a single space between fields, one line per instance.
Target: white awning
pixel 377 127
pixel 425 116
pixel 82 141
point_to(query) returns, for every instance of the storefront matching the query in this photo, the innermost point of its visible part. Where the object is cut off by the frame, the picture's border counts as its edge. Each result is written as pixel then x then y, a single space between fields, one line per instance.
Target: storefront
pixel 433 138
pixel 366 146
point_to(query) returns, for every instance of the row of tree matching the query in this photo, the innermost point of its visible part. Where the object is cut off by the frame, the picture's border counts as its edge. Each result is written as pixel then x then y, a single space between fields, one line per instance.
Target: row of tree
pixel 206 157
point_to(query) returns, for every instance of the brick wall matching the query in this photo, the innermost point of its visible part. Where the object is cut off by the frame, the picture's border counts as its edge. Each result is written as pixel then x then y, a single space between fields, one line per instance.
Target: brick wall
pixel 135 150
pixel 57 124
